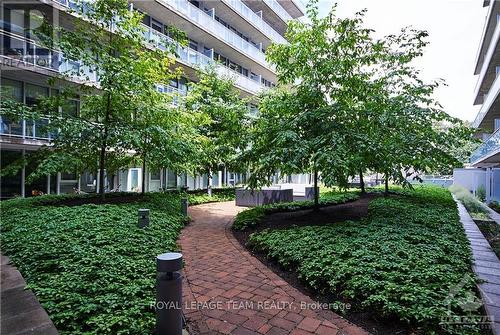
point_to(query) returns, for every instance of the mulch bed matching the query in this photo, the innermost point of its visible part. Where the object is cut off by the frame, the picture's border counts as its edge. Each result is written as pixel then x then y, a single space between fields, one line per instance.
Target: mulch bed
pixel 354 210
pixel 491 231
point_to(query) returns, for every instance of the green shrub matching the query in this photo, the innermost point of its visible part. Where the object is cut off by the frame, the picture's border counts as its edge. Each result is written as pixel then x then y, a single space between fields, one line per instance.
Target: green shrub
pixel 470 202
pixel 401 261
pixel 252 217
pixel 481 193
pixel 90 266
pixel 494 205
pixel 218 194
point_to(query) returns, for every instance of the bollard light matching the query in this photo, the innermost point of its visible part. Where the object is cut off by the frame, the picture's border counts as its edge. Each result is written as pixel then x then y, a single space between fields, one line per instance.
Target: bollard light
pixel 184 206
pixel 143 217
pixel 169 294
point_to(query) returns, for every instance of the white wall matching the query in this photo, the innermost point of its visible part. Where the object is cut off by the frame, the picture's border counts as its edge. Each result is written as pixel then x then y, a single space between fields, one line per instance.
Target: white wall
pixel 470 178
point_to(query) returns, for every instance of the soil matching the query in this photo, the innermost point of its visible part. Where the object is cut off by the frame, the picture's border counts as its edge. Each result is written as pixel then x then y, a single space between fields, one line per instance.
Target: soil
pixel 491 231
pixel 354 210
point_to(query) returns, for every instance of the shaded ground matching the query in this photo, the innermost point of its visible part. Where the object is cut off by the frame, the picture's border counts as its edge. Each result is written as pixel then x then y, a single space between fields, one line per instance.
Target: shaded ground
pixel 230 292
pixel 354 210
pixel 491 231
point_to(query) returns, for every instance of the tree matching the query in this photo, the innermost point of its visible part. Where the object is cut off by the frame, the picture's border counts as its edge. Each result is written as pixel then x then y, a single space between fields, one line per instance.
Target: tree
pixel 414 135
pixel 303 126
pixel 223 116
pixel 349 103
pixel 163 134
pixel 108 41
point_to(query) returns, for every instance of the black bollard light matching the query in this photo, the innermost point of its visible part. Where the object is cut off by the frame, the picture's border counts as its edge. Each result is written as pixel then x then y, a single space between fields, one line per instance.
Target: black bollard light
pixel 169 294
pixel 184 206
pixel 143 217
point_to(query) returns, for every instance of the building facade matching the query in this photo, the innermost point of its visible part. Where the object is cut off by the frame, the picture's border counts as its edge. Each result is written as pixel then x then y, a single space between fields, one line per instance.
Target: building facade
pixel 232 34
pixel 484 168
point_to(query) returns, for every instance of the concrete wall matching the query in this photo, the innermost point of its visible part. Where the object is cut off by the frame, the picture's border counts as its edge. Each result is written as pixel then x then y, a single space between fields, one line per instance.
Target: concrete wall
pixel 470 178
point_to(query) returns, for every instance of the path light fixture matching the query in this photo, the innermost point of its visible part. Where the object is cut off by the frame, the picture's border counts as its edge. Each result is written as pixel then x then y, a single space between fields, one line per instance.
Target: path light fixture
pixel 143 217
pixel 169 294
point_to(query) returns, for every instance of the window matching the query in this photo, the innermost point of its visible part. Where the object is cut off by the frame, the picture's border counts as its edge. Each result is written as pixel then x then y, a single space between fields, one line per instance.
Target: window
pixel 15 21
pixel 193 45
pixel 35 93
pixel 156 25
pixel 70 107
pixel 12 89
pixel 155 175
pixel 68 176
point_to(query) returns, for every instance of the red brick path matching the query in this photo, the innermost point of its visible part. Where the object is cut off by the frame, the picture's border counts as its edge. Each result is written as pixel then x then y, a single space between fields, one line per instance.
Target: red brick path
pixel 229 291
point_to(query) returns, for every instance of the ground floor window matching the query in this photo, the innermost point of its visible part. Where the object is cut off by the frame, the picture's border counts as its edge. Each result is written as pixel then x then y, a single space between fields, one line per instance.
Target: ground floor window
pixel 10 186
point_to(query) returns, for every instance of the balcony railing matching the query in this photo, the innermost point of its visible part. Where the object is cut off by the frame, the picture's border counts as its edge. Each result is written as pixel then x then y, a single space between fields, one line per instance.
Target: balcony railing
pixel 209 23
pixel 487 149
pixel 30 53
pixel 256 20
pixel 197 59
pixel 276 7
pixel 27 129
pixel 488 102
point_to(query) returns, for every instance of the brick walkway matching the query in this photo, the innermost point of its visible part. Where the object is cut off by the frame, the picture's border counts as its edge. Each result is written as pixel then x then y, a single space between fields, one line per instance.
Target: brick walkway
pixel 229 291
pixel 486 266
pixel 21 314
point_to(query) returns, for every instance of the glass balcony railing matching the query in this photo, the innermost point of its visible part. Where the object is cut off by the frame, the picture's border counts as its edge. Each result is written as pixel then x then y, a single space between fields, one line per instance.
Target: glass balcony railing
pixel 208 23
pixel 276 7
pixel 255 19
pixel 27 129
pixel 21 49
pixel 489 147
pixel 197 59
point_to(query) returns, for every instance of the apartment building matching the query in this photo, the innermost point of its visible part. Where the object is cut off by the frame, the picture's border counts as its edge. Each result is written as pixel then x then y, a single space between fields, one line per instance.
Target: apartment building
pixel 232 34
pixel 485 160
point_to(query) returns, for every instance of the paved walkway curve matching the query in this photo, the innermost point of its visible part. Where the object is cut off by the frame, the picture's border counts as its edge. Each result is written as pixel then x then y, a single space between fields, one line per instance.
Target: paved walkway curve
pixel 21 314
pixel 229 291
pixel 486 266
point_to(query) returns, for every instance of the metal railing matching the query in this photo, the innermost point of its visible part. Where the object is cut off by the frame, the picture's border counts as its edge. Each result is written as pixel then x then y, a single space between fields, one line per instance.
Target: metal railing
pixel 30 53
pixel 488 103
pixel 27 129
pixel 488 148
pixel 197 59
pixel 256 20
pixel 216 28
pixel 276 7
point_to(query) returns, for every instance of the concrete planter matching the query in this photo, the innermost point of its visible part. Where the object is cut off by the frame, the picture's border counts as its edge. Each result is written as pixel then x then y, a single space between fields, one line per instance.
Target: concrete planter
pixel 249 198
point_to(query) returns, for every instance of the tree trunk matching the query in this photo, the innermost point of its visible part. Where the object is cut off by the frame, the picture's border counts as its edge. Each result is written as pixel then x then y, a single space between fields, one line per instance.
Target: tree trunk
pixel 209 182
pixel 143 186
pixel 361 182
pixel 316 193
pixel 386 177
pixel 102 158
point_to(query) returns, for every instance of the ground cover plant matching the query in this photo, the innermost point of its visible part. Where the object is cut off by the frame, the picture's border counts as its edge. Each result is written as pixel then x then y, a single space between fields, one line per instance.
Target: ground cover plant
pixel 470 202
pixel 251 217
pixel 402 261
pixel 90 266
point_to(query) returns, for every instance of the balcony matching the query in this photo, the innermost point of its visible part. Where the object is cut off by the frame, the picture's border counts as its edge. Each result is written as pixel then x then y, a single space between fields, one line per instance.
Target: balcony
pixel 489 103
pixel 276 7
pixel 208 23
pixel 29 54
pixel 487 150
pixel 196 59
pixel 25 129
pixel 488 69
pixel 257 21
